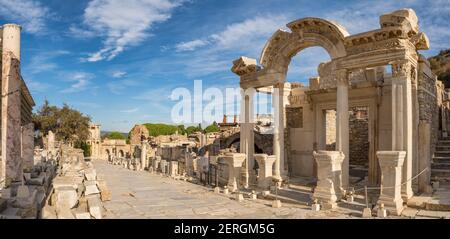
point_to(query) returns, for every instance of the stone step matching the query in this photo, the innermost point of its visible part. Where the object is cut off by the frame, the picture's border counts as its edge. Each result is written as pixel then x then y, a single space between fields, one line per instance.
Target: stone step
pixel 440 165
pixel 441 159
pixel 440 173
pixel 442 153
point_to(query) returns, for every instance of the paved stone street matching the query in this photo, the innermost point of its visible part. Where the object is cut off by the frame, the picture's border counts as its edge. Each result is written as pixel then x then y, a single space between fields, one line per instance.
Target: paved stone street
pixel 146 195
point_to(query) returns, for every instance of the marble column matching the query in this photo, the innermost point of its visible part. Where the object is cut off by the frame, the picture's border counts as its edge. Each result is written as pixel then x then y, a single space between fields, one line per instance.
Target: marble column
pixel 234 162
pixel 11 163
pixel 342 122
pixel 391 179
pixel 278 103
pixel 329 177
pixel 247 144
pixel 265 163
pixel 143 154
pixel 28 146
pixel 402 120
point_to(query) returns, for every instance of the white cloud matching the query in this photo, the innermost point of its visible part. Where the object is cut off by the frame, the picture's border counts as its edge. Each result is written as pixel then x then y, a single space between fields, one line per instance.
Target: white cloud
pixel 247 36
pixel 81 81
pixel 243 33
pixel 118 74
pixel 124 23
pixel 191 45
pixel 133 110
pixel 31 14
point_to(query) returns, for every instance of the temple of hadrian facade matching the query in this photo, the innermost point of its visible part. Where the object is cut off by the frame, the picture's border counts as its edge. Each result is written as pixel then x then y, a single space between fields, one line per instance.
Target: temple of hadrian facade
pixel 17 130
pixel 379 71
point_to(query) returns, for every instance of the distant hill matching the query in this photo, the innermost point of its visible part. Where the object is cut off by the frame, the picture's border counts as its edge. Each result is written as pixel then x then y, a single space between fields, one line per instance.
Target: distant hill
pixel 440 65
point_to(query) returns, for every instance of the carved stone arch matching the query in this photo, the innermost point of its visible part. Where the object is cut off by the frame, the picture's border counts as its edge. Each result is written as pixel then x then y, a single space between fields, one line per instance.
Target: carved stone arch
pixel 307 32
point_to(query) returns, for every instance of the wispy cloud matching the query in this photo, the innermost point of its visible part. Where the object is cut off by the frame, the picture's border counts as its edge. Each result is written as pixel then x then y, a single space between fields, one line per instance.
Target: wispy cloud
pixel 123 23
pixel 118 87
pixel 45 61
pixel 29 13
pixel 81 81
pixel 191 45
pixel 133 110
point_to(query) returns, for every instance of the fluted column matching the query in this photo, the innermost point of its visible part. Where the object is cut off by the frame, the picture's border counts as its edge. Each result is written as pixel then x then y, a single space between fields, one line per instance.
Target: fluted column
pixel 402 125
pixel 342 122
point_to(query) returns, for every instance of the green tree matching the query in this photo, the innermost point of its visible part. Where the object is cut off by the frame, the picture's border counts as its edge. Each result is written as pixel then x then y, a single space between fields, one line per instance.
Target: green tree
pixel 69 125
pixel 115 135
pixel 192 129
pixel 214 127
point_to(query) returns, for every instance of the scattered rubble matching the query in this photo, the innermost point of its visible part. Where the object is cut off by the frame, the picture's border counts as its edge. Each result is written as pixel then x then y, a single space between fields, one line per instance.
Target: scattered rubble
pixel 77 191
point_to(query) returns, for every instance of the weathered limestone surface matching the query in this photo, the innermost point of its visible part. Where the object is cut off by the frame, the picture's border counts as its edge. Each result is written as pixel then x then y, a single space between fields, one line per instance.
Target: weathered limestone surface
pixel 28 146
pixel 329 178
pixel 11 163
pixel 234 161
pixel 265 163
pixel 391 163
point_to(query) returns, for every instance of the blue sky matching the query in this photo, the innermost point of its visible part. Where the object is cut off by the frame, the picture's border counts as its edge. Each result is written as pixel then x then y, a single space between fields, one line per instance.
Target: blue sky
pixel 118 61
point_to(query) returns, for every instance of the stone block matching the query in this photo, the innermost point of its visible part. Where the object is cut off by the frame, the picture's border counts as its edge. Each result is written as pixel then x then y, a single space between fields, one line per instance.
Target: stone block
pixel 91 188
pixel 26 203
pixel 90 174
pixel 95 207
pixel 64 181
pixel 367 213
pixel 64 213
pixel 36 181
pixel 105 193
pixel 276 204
pixel 82 215
pixel 265 193
pixel 226 191
pixel 66 197
pixel 3 204
pixel 239 197
pixel 5 193
pixel 381 212
pixel 315 207
pixel 48 212
pixel 23 192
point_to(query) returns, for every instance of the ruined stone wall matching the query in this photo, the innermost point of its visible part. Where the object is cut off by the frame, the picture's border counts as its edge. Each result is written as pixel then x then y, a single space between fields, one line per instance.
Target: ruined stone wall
pixel 428 105
pixel 359 137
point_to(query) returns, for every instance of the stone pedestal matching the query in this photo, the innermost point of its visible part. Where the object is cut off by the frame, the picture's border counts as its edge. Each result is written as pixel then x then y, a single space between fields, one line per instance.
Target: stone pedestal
pixel 265 163
pixel 234 161
pixel 329 177
pixel 391 163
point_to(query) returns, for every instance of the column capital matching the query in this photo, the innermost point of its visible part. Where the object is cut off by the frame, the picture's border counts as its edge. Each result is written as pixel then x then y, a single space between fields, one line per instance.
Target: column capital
pixel 341 76
pixel 400 68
